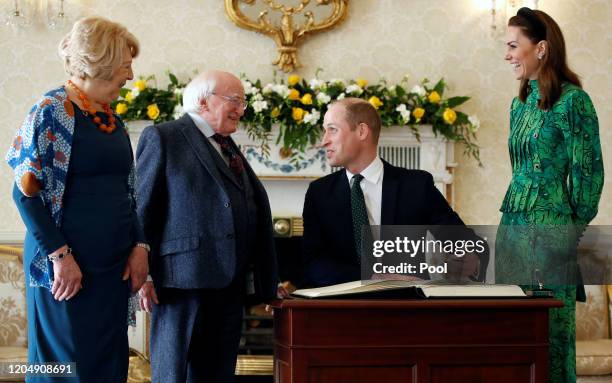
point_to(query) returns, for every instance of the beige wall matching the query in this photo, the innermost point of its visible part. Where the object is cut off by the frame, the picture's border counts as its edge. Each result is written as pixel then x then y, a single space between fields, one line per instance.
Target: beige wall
pixel 380 38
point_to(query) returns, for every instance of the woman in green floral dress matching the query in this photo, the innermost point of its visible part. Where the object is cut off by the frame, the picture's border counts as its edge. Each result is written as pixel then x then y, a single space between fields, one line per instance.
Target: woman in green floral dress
pixel 557 176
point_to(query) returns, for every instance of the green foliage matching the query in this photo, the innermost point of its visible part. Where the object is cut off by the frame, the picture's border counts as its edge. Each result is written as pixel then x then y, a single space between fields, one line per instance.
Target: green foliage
pixel 298 107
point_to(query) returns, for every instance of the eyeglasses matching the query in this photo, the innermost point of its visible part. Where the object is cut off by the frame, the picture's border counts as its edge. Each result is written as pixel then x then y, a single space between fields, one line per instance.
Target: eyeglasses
pixel 236 101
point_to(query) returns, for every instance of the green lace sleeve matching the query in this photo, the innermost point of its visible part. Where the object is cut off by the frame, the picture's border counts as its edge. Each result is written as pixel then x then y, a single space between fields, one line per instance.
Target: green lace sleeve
pixel 584 150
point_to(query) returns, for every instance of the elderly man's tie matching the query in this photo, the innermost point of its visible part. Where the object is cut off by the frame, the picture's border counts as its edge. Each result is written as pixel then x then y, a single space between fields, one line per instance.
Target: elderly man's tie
pixel 235 161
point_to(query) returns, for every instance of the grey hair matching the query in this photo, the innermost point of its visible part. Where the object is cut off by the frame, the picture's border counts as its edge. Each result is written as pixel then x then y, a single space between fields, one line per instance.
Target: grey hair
pixel 198 89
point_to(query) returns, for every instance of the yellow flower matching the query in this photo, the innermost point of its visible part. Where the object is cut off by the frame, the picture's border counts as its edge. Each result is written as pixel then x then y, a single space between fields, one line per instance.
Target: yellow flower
pixel 362 83
pixel 297 114
pixel 275 112
pixel 449 116
pixel 307 99
pixel 294 94
pixel 418 113
pixel 153 111
pixel 375 101
pixel 121 108
pixel 141 85
pixel 129 97
pixel 434 97
pixel 293 79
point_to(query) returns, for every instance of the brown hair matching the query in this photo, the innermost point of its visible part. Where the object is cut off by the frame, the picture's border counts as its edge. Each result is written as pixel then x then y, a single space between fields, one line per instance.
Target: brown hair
pixel 537 26
pixel 359 111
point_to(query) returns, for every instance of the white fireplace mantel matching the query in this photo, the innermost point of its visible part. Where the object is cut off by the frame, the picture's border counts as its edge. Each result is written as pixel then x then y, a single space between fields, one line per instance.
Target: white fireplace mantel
pixel 397 145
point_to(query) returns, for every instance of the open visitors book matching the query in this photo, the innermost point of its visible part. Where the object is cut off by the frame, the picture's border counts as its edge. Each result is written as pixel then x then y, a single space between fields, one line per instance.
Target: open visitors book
pixel 425 289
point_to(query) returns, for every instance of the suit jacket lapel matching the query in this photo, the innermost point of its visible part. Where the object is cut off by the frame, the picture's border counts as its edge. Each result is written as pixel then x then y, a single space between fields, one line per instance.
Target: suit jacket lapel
pixel 195 138
pixel 341 197
pixel 389 195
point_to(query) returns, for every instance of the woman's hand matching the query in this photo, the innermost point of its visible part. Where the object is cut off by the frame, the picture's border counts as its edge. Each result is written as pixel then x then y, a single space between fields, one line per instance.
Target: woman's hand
pixel 137 268
pixel 67 276
pixel 148 297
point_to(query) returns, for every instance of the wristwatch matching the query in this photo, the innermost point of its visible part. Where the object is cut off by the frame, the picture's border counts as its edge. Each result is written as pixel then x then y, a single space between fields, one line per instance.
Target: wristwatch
pixel 60 256
pixel 144 246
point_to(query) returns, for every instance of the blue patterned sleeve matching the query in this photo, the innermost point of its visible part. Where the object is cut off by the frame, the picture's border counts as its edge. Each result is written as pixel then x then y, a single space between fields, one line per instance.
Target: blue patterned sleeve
pixel 137 230
pixel 26 158
pixel 26 152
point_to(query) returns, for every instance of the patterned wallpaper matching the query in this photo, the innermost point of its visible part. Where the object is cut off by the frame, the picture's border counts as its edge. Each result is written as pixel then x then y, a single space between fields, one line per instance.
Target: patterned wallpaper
pixel 380 38
pixel 12 300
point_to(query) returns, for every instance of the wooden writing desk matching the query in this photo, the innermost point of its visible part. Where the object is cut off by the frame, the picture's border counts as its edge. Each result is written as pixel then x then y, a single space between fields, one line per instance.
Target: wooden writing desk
pixel 437 341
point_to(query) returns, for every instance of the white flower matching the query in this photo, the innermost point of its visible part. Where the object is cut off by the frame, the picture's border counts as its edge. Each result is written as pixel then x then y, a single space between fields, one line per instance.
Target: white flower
pixel 281 90
pixel 178 111
pixel 248 87
pixel 135 92
pixel 341 96
pixel 267 89
pixel 258 106
pixel 315 83
pixel 323 98
pixel 257 97
pixel 404 112
pixel 354 89
pixel 312 117
pixel 475 123
pixel 418 90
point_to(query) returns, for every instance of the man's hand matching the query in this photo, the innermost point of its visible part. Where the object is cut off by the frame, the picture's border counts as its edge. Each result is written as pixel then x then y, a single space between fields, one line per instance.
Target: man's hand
pixel 462 269
pixel 148 297
pixel 137 268
pixel 67 276
pixel 285 289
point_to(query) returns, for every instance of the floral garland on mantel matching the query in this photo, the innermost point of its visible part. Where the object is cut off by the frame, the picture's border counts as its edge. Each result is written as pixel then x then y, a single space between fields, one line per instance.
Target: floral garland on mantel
pixel 297 106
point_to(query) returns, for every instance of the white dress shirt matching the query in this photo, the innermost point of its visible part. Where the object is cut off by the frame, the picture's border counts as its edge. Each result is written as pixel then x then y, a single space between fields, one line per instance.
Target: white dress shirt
pixel 207 131
pixel 371 185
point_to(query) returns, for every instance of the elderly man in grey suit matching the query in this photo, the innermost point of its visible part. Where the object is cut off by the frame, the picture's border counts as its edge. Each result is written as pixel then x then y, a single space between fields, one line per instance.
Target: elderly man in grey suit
pixel 207 219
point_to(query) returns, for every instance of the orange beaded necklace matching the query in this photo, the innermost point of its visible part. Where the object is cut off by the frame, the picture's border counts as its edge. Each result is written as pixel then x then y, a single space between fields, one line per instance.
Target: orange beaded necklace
pixel 92 111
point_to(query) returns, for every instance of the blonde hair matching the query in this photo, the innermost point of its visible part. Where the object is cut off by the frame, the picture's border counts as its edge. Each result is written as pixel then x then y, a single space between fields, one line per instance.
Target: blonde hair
pixel 94 48
pixel 359 111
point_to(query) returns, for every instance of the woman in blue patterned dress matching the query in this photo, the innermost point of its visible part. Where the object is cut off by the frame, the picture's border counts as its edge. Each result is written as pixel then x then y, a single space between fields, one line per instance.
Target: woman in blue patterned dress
pixel 557 177
pixel 74 183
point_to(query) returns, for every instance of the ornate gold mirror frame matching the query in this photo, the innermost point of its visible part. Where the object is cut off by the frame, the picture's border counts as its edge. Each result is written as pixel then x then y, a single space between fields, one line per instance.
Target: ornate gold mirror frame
pixel 286 34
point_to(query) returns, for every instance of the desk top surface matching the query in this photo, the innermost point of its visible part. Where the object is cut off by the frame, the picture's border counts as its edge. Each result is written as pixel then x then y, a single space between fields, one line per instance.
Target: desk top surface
pixel 437 303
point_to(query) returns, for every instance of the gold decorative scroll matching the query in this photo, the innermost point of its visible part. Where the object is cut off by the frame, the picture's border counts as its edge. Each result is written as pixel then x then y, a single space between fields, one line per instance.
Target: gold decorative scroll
pixel 287 34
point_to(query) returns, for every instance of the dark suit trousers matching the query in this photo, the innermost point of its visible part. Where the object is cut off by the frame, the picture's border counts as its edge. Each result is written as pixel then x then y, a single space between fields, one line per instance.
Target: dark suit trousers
pixel 208 343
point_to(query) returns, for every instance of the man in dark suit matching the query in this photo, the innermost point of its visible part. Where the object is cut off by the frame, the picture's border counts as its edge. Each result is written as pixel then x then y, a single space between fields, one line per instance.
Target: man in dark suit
pixel 385 195
pixel 208 221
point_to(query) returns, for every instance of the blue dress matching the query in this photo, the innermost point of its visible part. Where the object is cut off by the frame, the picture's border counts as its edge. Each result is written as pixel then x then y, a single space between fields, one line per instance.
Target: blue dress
pixel 101 228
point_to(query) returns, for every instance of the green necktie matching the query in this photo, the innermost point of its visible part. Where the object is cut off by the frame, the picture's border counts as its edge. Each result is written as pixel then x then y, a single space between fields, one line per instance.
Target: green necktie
pixel 358 211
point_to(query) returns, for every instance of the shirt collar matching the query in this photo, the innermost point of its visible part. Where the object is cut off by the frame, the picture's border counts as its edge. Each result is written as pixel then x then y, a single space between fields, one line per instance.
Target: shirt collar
pixel 201 124
pixel 371 173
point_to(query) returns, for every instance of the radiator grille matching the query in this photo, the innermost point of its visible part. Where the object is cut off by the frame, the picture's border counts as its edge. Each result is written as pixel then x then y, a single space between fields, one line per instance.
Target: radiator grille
pixel 408 157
